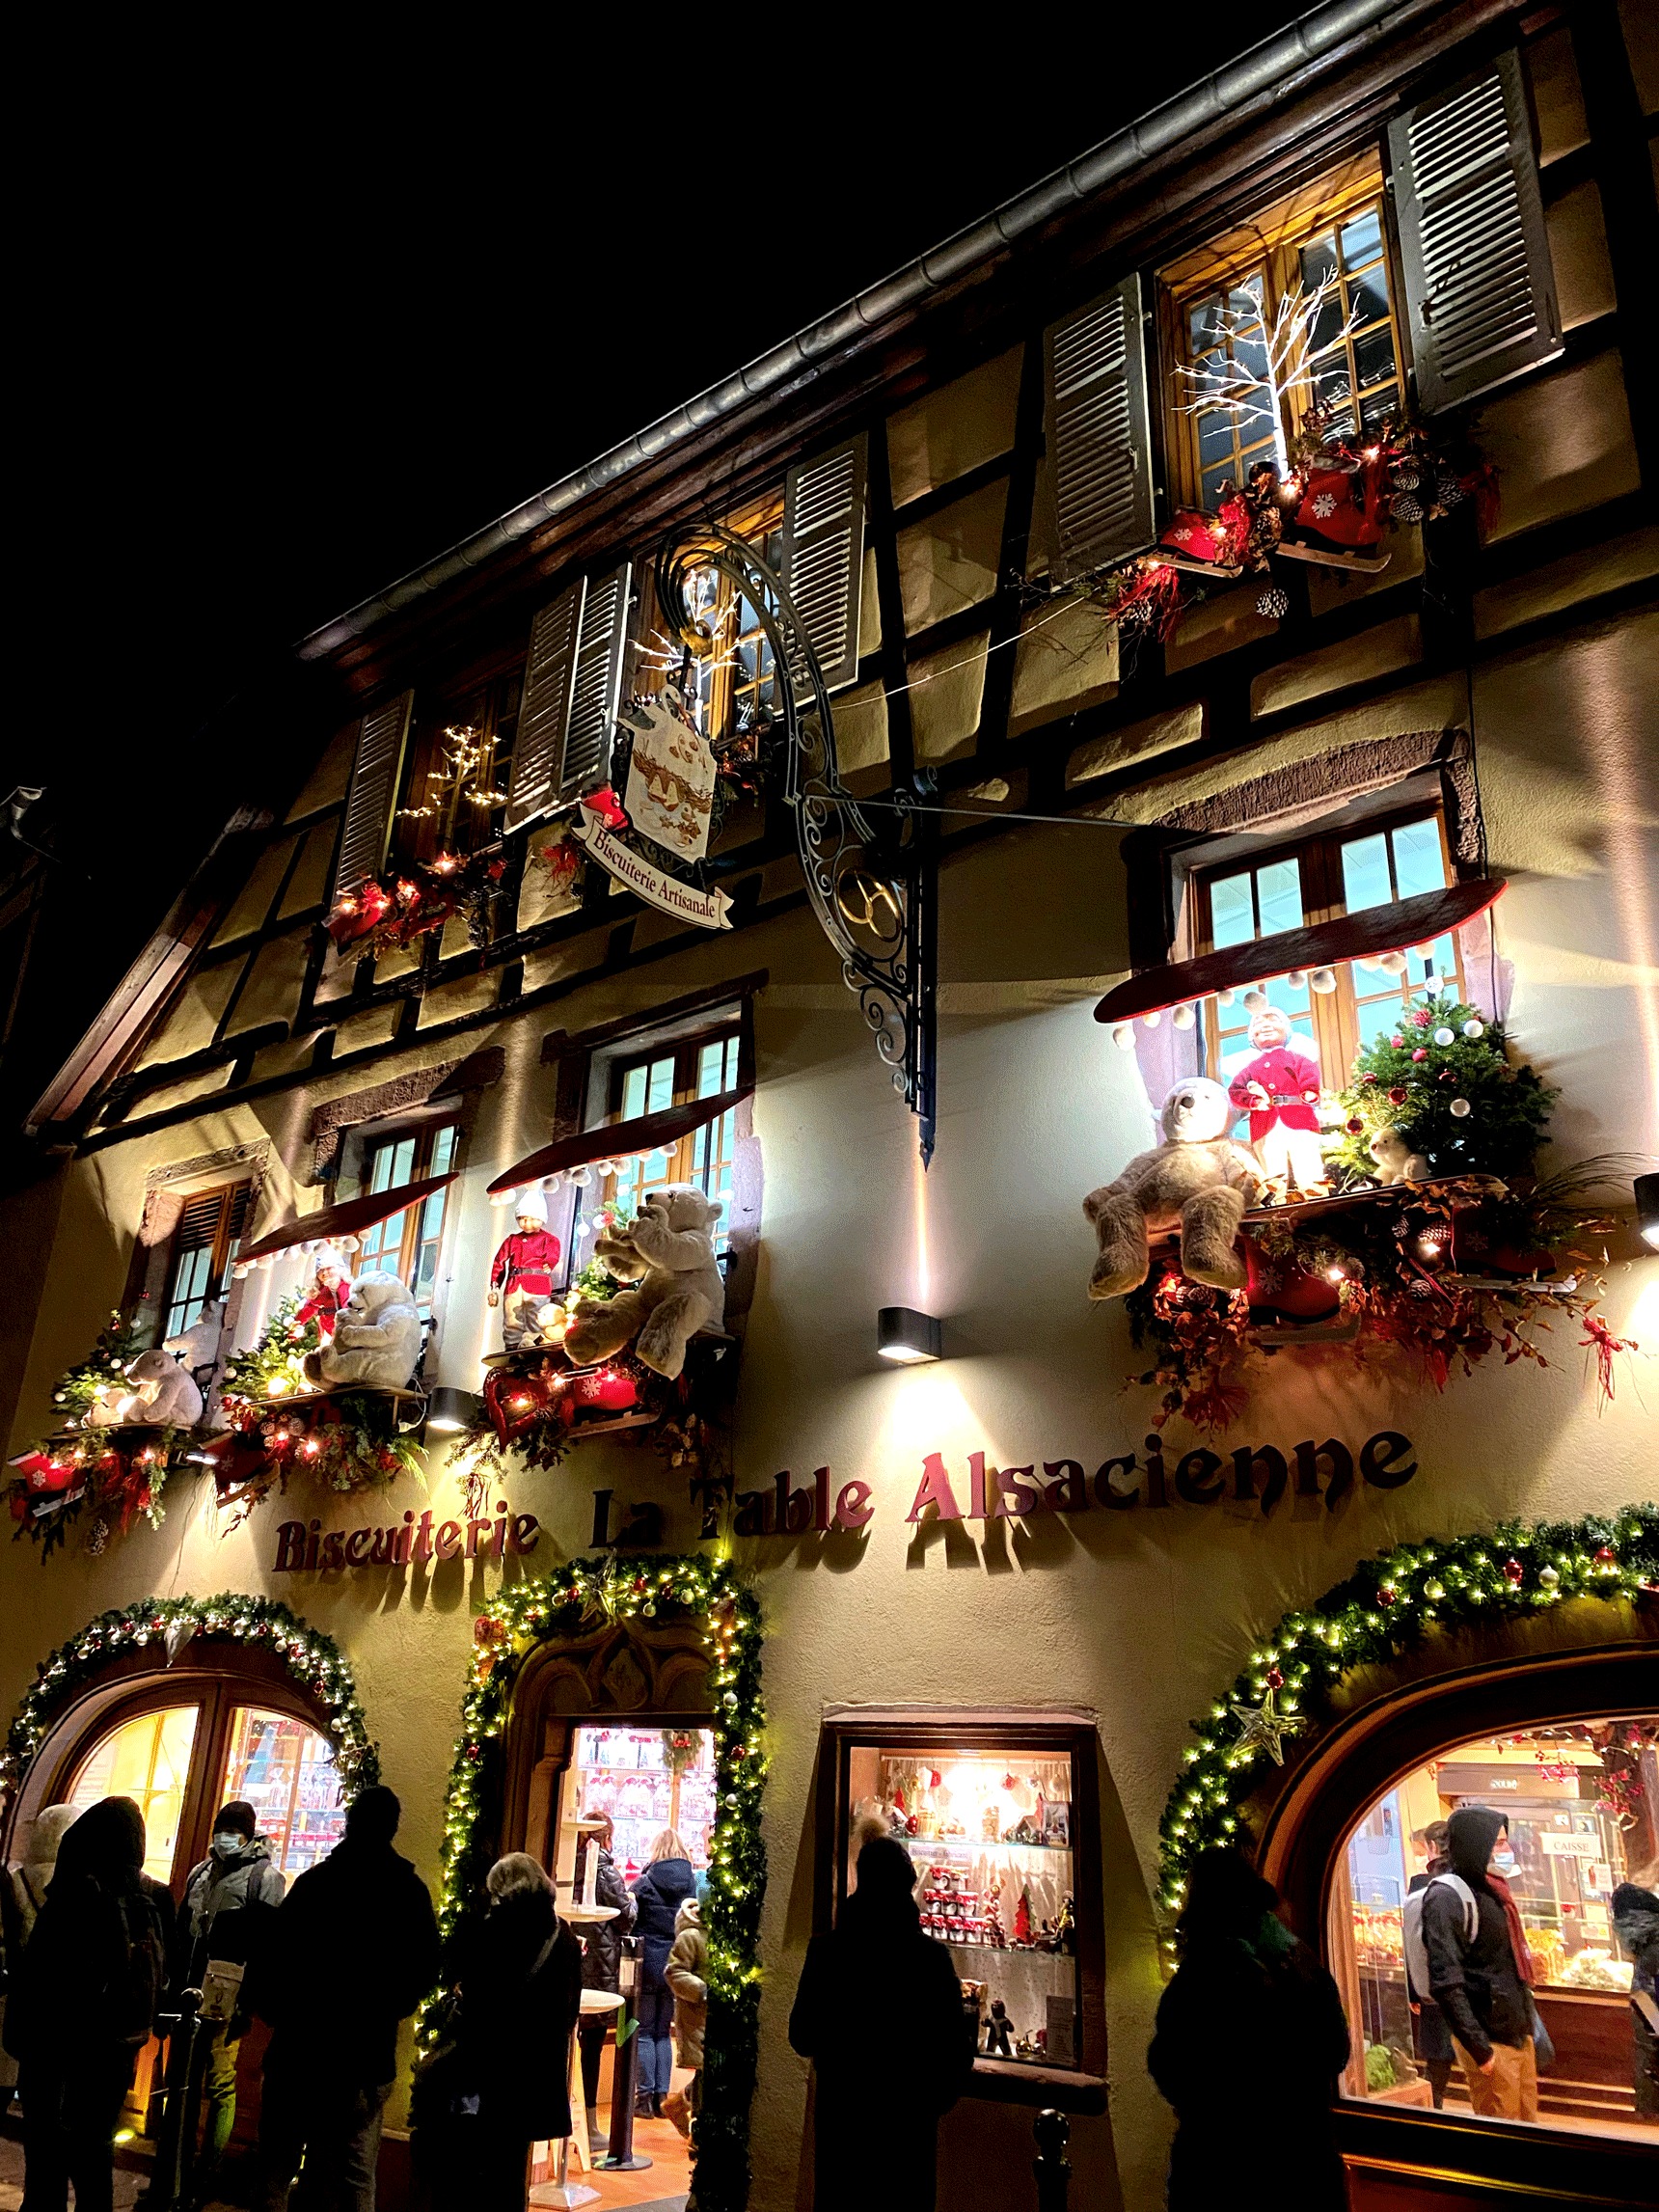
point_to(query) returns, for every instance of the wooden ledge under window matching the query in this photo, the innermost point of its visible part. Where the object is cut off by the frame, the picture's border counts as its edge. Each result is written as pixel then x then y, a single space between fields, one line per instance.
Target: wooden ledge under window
pixel 1008 2081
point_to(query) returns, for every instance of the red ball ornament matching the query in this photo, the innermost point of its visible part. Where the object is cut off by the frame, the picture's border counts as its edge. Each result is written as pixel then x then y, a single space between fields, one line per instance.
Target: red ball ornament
pixel 1421 1054
pixel 1275 1679
pixel 1368 1078
pixel 1387 1593
pixel 1399 1095
pixel 1514 1574
pixel 1355 1127
pixel 1398 1042
pixel 1420 1017
pixel 1607 1556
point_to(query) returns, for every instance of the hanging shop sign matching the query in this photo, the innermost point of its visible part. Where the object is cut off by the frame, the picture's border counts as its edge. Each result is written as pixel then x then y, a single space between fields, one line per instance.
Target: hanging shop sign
pixel 307 1547
pixel 670 894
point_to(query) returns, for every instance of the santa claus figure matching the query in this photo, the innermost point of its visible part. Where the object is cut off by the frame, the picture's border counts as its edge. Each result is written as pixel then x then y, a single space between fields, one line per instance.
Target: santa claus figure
pixel 330 1290
pixel 521 1279
pixel 1280 1089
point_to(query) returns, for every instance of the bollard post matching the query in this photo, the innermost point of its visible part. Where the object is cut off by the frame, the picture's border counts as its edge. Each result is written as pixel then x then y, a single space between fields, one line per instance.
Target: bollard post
pixel 1052 2131
pixel 620 2156
pixel 181 2102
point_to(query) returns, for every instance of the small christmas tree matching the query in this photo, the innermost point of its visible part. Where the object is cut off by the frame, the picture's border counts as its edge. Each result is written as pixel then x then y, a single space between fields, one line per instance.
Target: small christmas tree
pixel 1022 1918
pixel 1443 1079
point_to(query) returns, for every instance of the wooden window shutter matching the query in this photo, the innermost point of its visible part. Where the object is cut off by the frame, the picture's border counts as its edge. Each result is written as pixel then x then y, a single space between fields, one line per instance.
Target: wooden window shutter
pixel 1098 435
pixel 595 692
pixel 1480 287
pixel 544 716
pixel 373 793
pixel 822 554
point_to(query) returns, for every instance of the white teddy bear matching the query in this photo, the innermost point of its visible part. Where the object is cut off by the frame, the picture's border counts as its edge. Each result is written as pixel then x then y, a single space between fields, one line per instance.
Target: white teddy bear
pixel 680 1289
pixel 376 1340
pixel 202 1345
pixel 1396 1162
pixel 1198 1180
pixel 163 1396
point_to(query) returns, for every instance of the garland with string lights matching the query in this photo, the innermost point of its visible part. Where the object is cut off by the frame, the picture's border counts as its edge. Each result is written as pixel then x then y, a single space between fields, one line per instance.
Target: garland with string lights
pixel 313 1662
pixel 1384 1608
pixel 563 1602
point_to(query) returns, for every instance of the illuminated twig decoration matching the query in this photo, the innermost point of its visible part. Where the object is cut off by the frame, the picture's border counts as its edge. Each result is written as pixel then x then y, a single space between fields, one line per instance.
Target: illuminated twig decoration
pixel 1253 397
pixel 456 779
pixel 870 886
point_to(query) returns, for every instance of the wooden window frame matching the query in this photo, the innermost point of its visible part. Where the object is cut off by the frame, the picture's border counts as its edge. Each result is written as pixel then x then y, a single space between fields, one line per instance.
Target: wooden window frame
pixel 1269 248
pixel 719 695
pixel 687 1050
pixel 1333 1016
pixel 499 691
pixel 232 1196
pixel 424 1135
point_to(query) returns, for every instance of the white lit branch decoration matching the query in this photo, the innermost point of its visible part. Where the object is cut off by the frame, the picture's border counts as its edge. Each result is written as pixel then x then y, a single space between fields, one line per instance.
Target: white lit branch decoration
pixel 1227 382
pixel 457 781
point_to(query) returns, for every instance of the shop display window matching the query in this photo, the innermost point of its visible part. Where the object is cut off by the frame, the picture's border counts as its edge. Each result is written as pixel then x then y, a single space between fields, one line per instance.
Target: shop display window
pixel 147 1759
pixel 999 1825
pixel 287 1772
pixel 646 1780
pixel 1579 1800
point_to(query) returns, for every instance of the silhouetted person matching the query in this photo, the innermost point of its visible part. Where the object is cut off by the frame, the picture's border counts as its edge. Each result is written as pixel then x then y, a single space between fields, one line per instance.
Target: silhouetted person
pixel 602 1969
pixel 1636 1923
pixel 351 1950
pixel 1250 2041
pixel 1432 2036
pixel 1477 1974
pixel 880 2013
pixel 22 1894
pixel 520 1993
pixel 83 2005
pixel 657 1896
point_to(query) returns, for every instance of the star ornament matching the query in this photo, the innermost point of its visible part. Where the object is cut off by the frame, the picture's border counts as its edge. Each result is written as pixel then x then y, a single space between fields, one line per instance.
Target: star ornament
pixel 1264 1728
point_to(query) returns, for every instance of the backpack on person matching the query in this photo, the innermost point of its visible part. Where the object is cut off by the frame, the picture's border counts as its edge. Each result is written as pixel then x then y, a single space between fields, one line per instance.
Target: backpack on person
pixel 132 1992
pixel 1416 1950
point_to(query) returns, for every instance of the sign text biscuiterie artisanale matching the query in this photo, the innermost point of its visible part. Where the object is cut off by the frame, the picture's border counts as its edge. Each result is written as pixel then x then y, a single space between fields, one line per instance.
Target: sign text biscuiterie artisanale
pixel 495 1536
pixel 1253 1474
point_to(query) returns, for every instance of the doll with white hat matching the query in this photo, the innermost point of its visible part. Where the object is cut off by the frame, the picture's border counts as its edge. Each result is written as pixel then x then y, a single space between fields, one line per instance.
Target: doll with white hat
pixel 520 1276
pixel 329 1294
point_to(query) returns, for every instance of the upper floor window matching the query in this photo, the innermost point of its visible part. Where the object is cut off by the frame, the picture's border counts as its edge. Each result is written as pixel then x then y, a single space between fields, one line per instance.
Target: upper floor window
pixel 407 1245
pixel 736 686
pixel 458 769
pixel 1291 313
pixel 205 1243
pixel 1315 879
pixel 674 1074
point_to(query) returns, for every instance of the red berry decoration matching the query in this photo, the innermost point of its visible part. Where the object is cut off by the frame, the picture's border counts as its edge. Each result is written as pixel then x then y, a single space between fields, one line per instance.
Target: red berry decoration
pixel 1514 1574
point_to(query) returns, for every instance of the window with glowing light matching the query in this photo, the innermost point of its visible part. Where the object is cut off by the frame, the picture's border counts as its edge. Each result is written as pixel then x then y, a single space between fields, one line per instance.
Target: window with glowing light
pixel 287 1772
pixel 408 1245
pixel 1580 1856
pixel 734 688
pixel 147 1759
pixel 458 769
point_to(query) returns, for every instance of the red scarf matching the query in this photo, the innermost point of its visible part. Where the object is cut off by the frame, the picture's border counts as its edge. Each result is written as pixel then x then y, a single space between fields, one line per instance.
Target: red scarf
pixel 1525 1964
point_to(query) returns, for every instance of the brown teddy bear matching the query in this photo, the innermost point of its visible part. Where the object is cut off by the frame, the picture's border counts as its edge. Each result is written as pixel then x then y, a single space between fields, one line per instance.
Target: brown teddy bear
pixel 679 1289
pixel 1198 1180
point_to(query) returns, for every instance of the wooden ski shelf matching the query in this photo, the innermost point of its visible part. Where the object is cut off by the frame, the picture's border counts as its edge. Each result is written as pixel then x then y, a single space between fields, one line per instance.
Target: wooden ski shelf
pixel 1360 563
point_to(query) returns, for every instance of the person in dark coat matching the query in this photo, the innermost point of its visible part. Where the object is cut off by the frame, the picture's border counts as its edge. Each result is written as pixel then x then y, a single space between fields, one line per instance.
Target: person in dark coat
pixel 1481 1986
pixel 228 1899
pixel 880 2013
pixel 1250 2042
pixel 353 1950
pixel 82 2004
pixel 1636 1923
pixel 520 1995
pixel 658 1894
pixel 602 1969
pixel 1432 2037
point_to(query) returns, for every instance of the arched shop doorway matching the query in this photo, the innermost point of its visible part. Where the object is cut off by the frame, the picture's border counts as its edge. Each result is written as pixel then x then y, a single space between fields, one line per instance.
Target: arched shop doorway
pixel 632 1693
pixel 182 1705
pixel 1520 1671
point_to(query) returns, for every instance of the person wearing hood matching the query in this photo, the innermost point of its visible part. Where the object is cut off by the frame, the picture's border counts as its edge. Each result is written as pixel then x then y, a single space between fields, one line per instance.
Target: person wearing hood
pixel 22 1894
pixel 1480 1980
pixel 349 1953
pixel 1246 1986
pixel 228 1899
pixel 1636 1923
pixel 657 1896
pixel 83 2005
pixel 1432 2036
pixel 602 1967
pixel 880 2013
pixel 685 1974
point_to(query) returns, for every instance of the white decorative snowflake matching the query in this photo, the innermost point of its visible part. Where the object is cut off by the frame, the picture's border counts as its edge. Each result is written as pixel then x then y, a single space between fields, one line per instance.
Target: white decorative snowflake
pixel 1183 536
pixel 1325 504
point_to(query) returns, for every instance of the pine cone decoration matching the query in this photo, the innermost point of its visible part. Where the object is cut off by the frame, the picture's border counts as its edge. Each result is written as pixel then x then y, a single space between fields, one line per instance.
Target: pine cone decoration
pixel 1406 477
pixel 1407 508
pixel 98 1538
pixel 1273 603
pixel 1447 494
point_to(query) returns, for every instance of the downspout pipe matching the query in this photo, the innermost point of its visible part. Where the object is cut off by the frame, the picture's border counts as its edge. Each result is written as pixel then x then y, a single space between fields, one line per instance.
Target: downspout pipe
pixel 1263 70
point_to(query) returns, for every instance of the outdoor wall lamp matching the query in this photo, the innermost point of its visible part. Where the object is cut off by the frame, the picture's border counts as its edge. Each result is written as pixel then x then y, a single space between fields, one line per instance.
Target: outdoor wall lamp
pixel 907 1337
pixel 1648 1209
pixel 449 1411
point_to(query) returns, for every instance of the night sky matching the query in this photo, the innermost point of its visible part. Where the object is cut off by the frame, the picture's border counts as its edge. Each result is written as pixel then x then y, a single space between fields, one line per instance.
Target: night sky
pixel 280 354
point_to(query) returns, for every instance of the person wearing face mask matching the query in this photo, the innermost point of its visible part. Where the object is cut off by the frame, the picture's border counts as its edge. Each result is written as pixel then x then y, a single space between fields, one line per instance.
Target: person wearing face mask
pixel 1480 1969
pixel 229 1899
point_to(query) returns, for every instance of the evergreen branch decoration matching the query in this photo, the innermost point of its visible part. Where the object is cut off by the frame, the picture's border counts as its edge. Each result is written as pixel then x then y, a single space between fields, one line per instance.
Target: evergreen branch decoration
pixel 314 1661
pixel 1384 1608
pixel 563 1602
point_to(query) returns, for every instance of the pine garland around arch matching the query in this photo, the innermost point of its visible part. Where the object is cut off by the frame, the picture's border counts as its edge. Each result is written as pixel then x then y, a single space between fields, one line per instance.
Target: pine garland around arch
pixel 561 1601
pixel 1382 1609
pixel 314 1660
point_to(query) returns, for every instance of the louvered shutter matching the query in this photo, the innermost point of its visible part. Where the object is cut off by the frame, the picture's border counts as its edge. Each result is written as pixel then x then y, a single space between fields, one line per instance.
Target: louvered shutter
pixel 1479 283
pixel 374 793
pixel 1099 439
pixel 823 555
pixel 199 1224
pixel 544 716
pixel 595 692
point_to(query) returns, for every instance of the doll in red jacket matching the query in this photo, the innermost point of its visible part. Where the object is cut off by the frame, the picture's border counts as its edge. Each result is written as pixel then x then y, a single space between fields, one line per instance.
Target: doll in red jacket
pixel 330 1290
pixel 1281 1090
pixel 521 1278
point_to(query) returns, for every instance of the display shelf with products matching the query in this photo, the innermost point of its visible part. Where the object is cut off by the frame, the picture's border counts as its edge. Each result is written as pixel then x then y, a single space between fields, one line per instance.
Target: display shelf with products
pixel 646 1780
pixel 287 1772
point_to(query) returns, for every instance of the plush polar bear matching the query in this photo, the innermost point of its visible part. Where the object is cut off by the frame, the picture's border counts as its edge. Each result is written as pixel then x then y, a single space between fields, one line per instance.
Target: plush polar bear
pixel 1396 1162
pixel 163 1395
pixel 200 1347
pixel 376 1340
pixel 1198 1180
pixel 670 1252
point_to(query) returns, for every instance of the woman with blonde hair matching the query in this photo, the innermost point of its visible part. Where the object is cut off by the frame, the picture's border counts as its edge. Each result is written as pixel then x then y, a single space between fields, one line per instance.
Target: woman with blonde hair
pixel 657 1896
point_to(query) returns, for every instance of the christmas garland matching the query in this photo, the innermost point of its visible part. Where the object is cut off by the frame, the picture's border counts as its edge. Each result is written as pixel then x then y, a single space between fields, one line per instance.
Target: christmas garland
pixel 561 1603
pixel 314 1661
pixel 1385 1607
pixel 381 917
